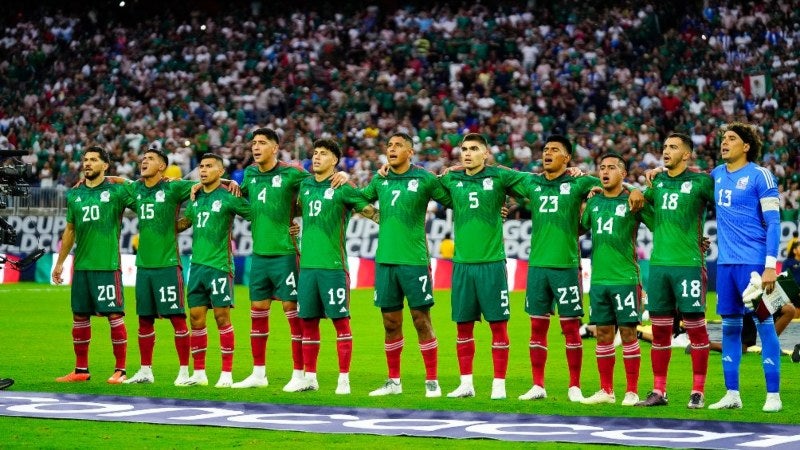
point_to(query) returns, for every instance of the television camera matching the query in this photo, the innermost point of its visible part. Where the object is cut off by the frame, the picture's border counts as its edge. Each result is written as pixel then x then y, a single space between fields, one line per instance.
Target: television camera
pixel 13 183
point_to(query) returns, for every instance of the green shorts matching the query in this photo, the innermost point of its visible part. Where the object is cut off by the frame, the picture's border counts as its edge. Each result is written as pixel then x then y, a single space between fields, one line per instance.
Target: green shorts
pixel 273 277
pixel 548 286
pixel 671 288
pixel 209 287
pixel 323 293
pixel 393 282
pixel 97 292
pixel 159 292
pixel 480 288
pixel 615 305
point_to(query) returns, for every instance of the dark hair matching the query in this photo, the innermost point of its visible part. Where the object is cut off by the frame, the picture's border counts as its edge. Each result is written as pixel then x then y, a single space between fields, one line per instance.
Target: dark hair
pixel 748 134
pixel 100 151
pixel 561 140
pixel 269 133
pixel 330 145
pixel 687 141
pixel 622 162
pixel 213 156
pixel 476 137
pixel 162 155
pixel 792 247
pixel 405 137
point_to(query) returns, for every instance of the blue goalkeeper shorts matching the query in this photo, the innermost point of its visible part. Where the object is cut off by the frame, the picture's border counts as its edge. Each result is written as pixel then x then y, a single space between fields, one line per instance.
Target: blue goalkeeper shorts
pixel 732 280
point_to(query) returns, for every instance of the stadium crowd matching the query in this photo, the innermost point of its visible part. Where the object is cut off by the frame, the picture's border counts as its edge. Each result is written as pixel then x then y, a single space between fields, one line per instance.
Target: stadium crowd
pixel 616 77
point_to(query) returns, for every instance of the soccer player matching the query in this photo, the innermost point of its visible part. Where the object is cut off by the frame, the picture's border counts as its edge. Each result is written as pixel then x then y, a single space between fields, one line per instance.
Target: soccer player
pixel 159 276
pixel 615 296
pixel 402 260
pixel 211 273
pixel 677 279
pixel 94 216
pixel 480 284
pixel 324 284
pixel 271 186
pixel 748 237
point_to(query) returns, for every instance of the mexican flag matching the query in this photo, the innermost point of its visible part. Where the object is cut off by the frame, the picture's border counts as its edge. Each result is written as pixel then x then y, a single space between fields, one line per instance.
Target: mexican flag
pixel 757 86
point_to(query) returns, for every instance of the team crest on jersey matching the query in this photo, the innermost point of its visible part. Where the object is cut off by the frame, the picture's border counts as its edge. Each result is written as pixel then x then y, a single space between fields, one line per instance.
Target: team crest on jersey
pixel 565 188
pixel 160 197
pixel 277 181
pixel 105 196
pixel 686 187
pixel 741 183
pixel 216 206
pixel 488 184
pixel 413 185
pixel 621 210
pixel 328 194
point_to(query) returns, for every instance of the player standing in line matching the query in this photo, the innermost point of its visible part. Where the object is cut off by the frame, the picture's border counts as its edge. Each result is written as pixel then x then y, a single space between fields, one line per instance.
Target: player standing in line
pixel 748 237
pixel 94 215
pixel 324 283
pixel 615 296
pixel 553 272
pixel 271 186
pixel 403 261
pixel 159 275
pixel 480 283
pixel 211 276
pixel 677 266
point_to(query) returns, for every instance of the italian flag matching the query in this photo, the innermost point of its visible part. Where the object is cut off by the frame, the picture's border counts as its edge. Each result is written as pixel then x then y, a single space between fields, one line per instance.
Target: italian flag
pixel 757 86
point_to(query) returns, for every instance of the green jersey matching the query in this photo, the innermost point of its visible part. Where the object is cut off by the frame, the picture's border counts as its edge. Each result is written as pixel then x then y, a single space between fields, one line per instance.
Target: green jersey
pixel 555 216
pixel 157 209
pixel 326 213
pixel 403 202
pixel 477 199
pixel 96 215
pixel 211 214
pixel 614 229
pixel 273 197
pixel 679 205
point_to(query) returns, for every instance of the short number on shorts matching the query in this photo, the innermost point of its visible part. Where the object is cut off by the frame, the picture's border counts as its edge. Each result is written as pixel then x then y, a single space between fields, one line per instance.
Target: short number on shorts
pixel 629 301
pixel 290 280
pixel 340 294
pixel 108 292
pixel 572 291
pixel 424 280
pixel 168 294
pixel 222 283
pixel 692 289
pixel 504 298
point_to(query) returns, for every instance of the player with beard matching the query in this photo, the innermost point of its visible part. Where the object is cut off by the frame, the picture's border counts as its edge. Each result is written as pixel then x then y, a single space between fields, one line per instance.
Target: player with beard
pixel 94 218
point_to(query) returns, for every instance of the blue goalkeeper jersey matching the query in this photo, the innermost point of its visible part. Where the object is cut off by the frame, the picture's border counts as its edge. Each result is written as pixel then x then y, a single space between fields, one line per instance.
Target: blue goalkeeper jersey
pixel 748 218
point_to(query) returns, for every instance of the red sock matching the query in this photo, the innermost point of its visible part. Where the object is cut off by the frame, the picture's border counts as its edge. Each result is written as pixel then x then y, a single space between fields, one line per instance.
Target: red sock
pixel 344 344
pixel 226 346
pixel 310 344
pixel 570 326
pixel 81 336
pixel 259 332
pixel 500 346
pixel 465 346
pixel 393 349
pixel 147 340
pixel 119 341
pixel 606 358
pixel 181 339
pixel 538 347
pixel 296 329
pixel 632 358
pixel 430 356
pixel 199 343
pixel 698 336
pixel 661 351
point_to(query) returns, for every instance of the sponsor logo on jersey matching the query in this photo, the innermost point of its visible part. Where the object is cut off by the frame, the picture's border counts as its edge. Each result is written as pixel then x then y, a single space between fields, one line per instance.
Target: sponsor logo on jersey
pixel 227 298
pixel 174 306
pixel 686 187
pixel 160 197
pixel 697 303
pixel 460 184
pixel 595 209
pixel 139 197
pixel 413 185
pixel 252 181
pixel 194 204
pixel 506 312
pixel 78 200
pixel 565 188
pixel 428 297
pixel 110 304
pixel 385 183
pixel 660 185
pixel 741 183
pixel 578 307
pixel 488 184
pixel 633 314
pixel 328 194
pixel 277 181
pixel 216 206
pixel 294 292
pixel 105 196
pixel 719 180
pixel 621 210
pixel 538 189
pixel 343 310
pixel 306 192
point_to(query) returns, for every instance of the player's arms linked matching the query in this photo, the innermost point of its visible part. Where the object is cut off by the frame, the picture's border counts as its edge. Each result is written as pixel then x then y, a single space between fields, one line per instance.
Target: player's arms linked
pixel 372 213
pixel 230 185
pixel 294 229
pixel 339 178
pixel 182 224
